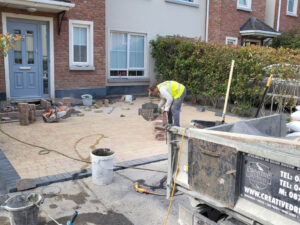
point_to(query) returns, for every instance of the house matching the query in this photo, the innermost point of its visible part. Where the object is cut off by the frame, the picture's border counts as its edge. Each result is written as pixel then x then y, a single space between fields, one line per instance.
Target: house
pixel 241 21
pixel 250 21
pixel 74 47
pixel 286 15
pixel 62 52
pixel 131 24
pixel 101 47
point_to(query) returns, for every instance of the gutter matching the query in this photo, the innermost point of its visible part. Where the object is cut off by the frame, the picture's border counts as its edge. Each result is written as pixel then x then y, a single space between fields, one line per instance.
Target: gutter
pixel 260 32
pixel 40 3
pixel 278 16
pixel 207 20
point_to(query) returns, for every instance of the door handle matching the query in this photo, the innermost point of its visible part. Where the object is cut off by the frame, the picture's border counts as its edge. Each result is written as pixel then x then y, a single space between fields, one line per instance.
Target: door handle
pixel 25 68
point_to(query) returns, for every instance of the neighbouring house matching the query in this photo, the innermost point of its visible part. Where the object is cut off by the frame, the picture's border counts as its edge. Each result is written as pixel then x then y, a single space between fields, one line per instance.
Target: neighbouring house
pixel 241 21
pixel 101 47
pixel 286 15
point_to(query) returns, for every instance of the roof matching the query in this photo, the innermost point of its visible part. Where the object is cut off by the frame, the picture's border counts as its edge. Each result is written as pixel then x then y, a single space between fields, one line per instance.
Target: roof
pixel 254 26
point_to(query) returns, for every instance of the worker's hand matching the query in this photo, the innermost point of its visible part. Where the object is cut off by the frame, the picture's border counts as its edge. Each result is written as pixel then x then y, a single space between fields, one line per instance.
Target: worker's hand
pixel 165 118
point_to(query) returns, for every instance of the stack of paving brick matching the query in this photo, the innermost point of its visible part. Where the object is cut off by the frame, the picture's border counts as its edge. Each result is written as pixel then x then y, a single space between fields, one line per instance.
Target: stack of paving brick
pixel 27 113
pixel 159 130
pixel 24 113
pixel 32 113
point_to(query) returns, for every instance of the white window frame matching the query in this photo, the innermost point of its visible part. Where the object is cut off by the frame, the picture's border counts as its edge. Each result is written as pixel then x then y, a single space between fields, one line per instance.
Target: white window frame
pixel 192 3
pixel 235 39
pixel 89 65
pixel 295 9
pixel 248 7
pixel 128 55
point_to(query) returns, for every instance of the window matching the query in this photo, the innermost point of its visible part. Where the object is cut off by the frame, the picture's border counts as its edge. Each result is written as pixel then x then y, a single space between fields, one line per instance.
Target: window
pixel 81 47
pixel 231 41
pixel 292 7
pixel 244 5
pixel 127 55
pixel 193 3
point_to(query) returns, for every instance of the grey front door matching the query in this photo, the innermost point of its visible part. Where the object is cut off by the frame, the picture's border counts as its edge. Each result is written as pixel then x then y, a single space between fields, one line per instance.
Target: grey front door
pixel 25 65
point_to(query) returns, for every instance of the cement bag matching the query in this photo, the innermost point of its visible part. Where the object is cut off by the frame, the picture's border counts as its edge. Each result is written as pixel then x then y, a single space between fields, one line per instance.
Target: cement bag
pixel 298 107
pixel 294 126
pixel 296 115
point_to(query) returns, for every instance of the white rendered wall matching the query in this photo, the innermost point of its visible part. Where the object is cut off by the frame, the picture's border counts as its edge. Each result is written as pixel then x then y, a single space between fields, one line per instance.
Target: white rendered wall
pixel 154 17
pixel 270 12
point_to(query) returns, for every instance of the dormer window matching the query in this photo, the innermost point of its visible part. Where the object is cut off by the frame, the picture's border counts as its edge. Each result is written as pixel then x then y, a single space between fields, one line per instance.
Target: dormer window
pixel 244 5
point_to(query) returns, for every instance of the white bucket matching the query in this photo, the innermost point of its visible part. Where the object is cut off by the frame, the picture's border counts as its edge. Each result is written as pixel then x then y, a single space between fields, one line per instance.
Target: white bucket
pixel 102 166
pixel 128 98
pixel 87 100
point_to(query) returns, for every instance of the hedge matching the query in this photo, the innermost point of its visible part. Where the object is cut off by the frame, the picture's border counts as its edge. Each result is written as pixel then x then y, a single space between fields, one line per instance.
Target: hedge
pixel 204 68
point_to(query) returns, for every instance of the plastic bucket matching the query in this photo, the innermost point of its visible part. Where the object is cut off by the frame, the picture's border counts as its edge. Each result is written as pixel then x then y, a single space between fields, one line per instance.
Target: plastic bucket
pixel 102 166
pixel 23 212
pixel 87 100
pixel 128 98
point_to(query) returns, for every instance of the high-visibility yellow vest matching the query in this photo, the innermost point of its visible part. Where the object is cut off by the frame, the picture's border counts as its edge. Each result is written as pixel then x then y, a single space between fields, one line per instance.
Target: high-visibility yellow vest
pixel 175 89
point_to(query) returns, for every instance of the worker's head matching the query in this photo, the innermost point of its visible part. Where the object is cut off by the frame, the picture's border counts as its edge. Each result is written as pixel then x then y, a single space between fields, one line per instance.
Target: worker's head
pixel 153 90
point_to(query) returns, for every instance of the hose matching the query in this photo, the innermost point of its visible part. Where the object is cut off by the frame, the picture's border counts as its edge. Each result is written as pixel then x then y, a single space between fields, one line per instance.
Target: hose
pixel 175 177
pixel 46 151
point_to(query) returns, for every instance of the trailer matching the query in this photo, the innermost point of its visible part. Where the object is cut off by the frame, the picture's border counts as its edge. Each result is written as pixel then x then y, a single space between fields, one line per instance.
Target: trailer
pixel 244 173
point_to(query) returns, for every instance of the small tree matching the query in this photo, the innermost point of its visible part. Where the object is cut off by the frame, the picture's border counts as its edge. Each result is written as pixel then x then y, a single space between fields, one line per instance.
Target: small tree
pixel 7 42
pixel 288 39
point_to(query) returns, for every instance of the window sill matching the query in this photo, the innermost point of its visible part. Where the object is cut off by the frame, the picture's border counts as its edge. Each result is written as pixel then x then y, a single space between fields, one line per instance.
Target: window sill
pixel 127 80
pixel 244 9
pixel 82 68
pixel 192 4
pixel 291 14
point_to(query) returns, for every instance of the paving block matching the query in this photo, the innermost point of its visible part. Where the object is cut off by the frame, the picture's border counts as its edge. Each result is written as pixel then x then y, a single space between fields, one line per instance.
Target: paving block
pixel 25 184
pixel 45 104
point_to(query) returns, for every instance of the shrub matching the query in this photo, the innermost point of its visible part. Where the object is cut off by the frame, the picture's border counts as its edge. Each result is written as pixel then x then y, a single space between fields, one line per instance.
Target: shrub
pixel 288 39
pixel 7 42
pixel 204 68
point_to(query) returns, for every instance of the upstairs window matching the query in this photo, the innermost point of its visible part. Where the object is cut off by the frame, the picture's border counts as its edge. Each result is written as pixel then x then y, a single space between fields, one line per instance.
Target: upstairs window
pixel 81 45
pixel 244 5
pixel 292 7
pixel 127 55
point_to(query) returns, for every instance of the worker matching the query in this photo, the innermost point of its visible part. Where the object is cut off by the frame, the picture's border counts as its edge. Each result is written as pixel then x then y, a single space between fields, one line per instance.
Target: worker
pixel 172 95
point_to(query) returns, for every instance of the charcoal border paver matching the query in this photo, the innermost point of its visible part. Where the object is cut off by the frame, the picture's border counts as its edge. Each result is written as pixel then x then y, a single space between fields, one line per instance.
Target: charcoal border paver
pixel 10 176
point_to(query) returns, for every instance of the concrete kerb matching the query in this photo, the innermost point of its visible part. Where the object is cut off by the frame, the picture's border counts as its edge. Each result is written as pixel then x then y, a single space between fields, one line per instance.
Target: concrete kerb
pixel 47 180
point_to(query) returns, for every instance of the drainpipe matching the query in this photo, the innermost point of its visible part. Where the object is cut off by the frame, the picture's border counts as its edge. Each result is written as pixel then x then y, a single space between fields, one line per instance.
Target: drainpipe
pixel 207 20
pixel 278 16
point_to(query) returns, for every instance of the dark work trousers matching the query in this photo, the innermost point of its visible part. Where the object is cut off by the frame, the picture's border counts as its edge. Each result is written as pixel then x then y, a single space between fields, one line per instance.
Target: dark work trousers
pixel 174 112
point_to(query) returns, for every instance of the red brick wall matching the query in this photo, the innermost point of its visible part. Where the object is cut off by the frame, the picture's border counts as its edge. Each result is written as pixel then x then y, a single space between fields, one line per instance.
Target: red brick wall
pixel 92 10
pixel 226 19
pixel 287 22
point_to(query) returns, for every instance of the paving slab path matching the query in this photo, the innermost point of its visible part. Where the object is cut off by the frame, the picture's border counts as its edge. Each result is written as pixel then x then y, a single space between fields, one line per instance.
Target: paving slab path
pixel 130 136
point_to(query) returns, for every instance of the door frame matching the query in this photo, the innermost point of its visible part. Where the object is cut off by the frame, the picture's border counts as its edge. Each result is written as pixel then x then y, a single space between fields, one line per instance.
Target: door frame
pixel 51 52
